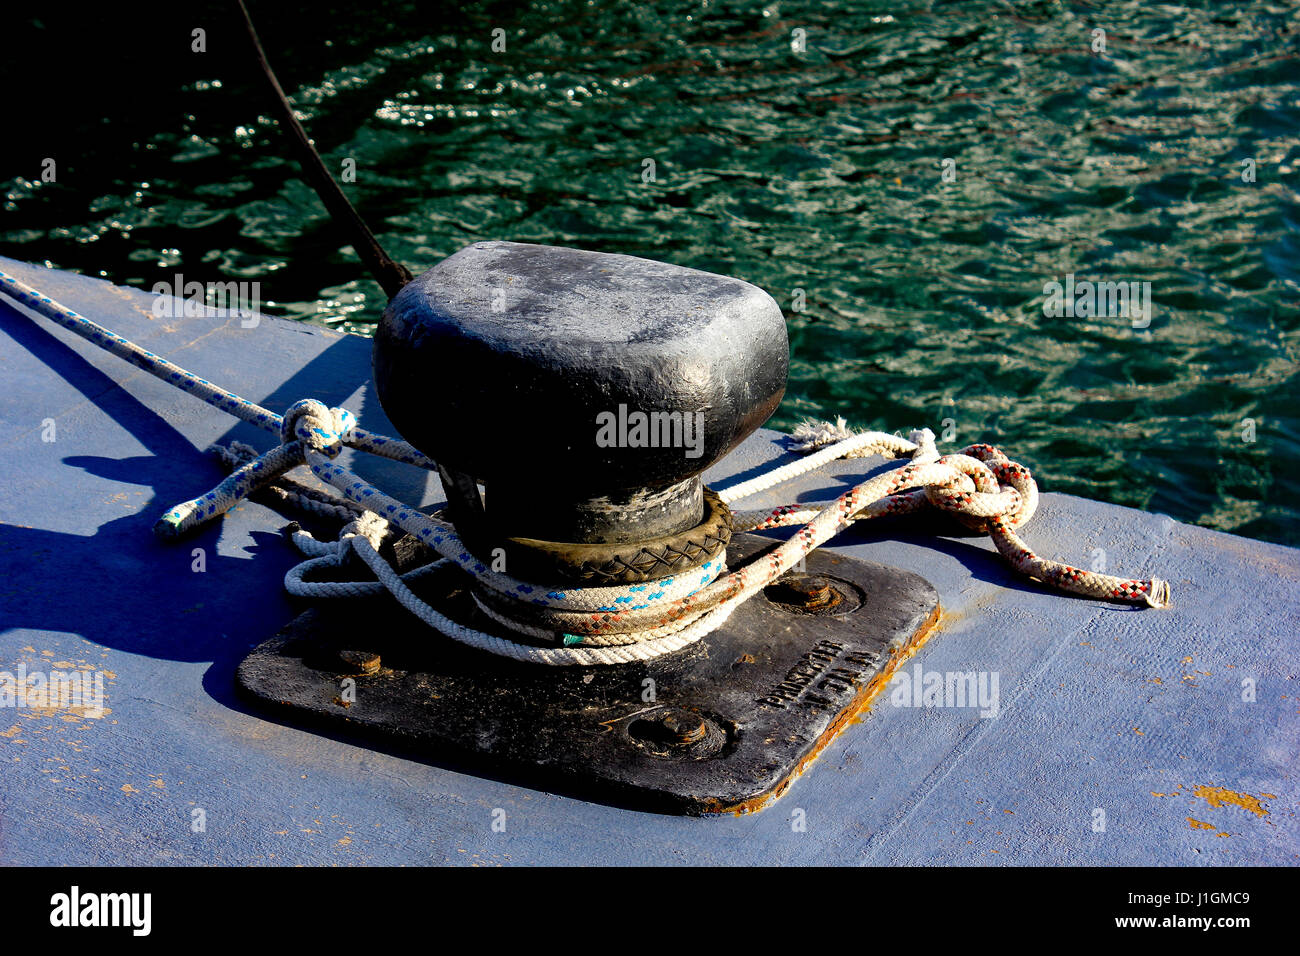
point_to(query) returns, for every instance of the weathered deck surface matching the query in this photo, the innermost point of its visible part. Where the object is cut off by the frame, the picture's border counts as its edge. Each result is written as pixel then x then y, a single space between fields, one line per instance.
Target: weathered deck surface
pixel 1138 713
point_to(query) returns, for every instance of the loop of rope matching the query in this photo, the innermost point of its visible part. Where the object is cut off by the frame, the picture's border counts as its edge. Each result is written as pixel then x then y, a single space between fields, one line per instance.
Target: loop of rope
pixel 288 491
pixel 979 486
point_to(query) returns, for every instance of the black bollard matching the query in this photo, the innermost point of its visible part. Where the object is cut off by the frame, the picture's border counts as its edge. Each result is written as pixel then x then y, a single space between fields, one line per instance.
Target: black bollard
pixel 538 372
pixel 586 391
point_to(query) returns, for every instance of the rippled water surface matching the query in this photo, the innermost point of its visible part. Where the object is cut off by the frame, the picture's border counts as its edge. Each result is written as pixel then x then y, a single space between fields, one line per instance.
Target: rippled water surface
pixel 821 170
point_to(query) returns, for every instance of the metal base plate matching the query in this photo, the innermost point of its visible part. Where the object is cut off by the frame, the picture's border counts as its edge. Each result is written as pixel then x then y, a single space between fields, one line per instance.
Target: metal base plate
pixel 723 725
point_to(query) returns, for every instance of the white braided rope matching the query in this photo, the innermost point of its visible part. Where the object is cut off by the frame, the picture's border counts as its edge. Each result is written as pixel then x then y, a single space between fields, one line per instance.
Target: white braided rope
pixel 835 444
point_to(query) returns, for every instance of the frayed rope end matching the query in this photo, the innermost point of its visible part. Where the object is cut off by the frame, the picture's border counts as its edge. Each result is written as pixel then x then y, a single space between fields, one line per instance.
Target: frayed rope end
pixel 1158 596
pixel 811 434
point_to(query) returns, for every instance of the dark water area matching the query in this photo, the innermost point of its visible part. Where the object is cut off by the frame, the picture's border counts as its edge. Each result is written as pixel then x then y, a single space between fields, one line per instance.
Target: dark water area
pixel 906 185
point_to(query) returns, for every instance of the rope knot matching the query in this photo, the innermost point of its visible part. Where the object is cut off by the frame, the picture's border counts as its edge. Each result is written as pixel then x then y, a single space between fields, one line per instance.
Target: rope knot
pixel 367 525
pixel 981 492
pixel 322 429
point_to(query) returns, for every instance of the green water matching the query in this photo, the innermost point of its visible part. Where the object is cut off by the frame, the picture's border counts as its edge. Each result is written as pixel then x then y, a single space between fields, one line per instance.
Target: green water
pixel 820 170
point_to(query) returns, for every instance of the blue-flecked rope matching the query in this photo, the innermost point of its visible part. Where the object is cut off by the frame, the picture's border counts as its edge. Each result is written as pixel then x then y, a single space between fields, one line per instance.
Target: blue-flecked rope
pixel 313 434
pixel 296 425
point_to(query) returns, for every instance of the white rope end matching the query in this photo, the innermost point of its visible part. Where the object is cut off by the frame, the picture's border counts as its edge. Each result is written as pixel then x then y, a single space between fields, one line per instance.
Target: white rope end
pixel 923 439
pixel 811 434
pixel 1159 596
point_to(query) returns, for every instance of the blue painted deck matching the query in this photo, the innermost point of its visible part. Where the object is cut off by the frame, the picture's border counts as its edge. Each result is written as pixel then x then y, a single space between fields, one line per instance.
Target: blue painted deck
pixel 1138 713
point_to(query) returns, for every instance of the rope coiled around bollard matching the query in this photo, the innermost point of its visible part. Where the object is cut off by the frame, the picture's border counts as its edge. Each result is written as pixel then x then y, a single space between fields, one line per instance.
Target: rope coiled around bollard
pixel 617 624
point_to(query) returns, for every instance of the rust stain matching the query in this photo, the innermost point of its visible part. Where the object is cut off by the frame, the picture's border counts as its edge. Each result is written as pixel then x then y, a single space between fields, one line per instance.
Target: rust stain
pixel 850 714
pixel 1219 796
pixel 1198 825
pixel 11 732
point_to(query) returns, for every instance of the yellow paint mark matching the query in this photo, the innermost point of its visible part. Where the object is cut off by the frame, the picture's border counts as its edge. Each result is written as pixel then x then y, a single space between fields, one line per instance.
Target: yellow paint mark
pixel 127 788
pixel 1218 796
pixel 1198 825
pixel 11 732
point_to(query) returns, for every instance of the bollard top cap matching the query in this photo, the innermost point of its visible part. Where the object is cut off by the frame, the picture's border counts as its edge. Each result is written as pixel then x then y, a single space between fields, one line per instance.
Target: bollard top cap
pixel 521 295
pixel 498 361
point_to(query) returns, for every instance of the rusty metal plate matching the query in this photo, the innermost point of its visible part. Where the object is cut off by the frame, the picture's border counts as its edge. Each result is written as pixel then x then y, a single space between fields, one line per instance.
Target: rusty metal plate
pixel 724 725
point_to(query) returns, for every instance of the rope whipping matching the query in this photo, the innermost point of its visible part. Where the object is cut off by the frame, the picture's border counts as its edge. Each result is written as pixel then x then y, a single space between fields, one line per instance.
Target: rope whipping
pixel 568 626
